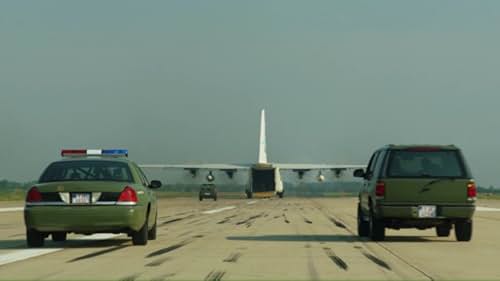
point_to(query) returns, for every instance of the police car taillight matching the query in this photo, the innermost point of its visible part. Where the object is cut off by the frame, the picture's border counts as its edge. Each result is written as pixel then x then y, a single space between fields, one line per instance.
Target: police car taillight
pixel 128 195
pixel 33 195
pixel 94 152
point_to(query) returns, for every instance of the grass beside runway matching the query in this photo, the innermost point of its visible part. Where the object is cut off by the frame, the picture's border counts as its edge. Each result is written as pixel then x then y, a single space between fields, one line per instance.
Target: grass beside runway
pixel 13 195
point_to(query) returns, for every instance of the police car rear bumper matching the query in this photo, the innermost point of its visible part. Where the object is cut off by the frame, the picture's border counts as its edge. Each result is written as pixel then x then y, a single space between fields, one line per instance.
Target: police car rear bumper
pixel 84 219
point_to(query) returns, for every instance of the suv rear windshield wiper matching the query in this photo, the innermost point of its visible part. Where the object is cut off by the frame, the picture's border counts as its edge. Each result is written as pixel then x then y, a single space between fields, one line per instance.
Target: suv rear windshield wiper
pixel 436 181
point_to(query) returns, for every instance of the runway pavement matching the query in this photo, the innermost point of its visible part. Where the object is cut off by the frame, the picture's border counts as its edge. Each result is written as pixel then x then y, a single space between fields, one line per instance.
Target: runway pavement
pixel 278 239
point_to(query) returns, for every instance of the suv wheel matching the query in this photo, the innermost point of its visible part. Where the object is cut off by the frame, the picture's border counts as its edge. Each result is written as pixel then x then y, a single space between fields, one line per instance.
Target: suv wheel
pixel 363 225
pixel 141 237
pixel 443 230
pixel 377 228
pixel 34 238
pixel 59 236
pixel 463 230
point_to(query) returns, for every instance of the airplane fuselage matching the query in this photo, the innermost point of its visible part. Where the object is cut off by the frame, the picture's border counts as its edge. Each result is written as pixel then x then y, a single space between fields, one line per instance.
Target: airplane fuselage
pixel 265 181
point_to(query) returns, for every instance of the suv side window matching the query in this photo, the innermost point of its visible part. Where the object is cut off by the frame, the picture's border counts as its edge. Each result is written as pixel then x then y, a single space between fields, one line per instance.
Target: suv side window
pixel 371 164
pixel 379 162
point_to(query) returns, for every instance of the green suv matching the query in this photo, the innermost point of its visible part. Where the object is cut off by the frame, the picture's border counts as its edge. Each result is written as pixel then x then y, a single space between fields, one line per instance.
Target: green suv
pixel 91 191
pixel 416 186
pixel 208 191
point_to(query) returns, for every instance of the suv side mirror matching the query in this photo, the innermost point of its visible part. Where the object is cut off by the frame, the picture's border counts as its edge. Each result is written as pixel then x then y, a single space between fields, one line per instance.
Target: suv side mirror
pixel 155 184
pixel 359 173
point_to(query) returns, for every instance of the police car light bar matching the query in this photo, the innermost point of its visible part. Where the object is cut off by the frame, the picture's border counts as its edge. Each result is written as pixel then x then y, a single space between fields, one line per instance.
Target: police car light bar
pixel 94 152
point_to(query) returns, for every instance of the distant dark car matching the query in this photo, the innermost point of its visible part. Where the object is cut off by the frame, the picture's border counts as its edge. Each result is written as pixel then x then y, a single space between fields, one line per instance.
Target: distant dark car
pixel 208 191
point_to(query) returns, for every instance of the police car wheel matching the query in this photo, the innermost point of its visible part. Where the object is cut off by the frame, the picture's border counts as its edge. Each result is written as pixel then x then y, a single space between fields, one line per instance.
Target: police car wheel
pixel 141 237
pixel 59 236
pixel 152 231
pixel 34 238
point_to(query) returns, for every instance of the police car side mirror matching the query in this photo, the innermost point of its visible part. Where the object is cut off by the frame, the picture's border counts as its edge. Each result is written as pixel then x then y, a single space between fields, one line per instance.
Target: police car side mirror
pixel 359 173
pixel 155 184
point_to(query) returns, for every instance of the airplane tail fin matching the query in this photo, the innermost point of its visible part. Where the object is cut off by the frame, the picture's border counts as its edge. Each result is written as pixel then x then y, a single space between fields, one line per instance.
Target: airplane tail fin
pixel 262 139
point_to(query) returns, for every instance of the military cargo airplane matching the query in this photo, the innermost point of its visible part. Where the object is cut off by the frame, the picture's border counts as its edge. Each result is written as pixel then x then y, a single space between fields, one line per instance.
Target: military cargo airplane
pixel 264 178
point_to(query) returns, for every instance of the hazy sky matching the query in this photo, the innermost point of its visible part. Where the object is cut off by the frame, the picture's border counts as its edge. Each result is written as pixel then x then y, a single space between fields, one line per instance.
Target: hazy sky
pixel 184 81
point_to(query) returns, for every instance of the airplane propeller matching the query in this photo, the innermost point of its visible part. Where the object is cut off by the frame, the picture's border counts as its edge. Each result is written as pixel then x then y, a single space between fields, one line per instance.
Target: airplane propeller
pixel 321 177
pixel 210 177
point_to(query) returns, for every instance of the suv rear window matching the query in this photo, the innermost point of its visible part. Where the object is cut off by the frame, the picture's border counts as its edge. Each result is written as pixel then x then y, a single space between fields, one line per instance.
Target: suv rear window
pixel 87 171
pixel 435 163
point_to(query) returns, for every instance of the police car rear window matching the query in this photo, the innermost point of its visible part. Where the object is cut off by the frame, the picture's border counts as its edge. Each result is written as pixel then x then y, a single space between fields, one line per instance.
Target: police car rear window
pixel 437 163
pixel 87 171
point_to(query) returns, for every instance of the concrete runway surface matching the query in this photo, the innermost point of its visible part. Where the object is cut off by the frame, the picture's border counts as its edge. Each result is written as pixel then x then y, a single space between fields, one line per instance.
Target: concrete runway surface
pixel 268 239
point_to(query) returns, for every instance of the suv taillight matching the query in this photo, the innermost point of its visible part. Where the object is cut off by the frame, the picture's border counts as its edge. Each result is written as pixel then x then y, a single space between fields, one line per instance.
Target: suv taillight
pixel 471 190
pixel 33 195
pixel 380 189
pixel 128 195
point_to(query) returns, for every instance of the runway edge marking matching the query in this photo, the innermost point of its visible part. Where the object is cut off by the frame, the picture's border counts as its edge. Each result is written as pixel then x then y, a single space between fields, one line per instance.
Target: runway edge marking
pixel 214 211
pixel 487 209
pixel 13 209
pixel 25 254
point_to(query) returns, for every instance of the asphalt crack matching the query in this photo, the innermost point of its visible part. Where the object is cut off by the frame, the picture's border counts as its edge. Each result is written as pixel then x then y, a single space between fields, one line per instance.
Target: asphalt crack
pixel 336 259
pixel 215 275
pixel 166 250
pixel 377 261
pixel 176 220
pixel 337 222
pixel 249 220
pixel 232 257
pixel 132 277
pixel 285 219
pixel 158 262
pixel 98 253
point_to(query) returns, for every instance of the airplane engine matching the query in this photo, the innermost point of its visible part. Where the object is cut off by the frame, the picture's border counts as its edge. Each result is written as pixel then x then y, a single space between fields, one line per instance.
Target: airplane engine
pixel 210 177
pixel 321 177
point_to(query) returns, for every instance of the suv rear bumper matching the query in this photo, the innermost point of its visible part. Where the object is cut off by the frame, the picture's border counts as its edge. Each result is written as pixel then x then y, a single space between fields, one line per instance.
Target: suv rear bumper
pixel 411 211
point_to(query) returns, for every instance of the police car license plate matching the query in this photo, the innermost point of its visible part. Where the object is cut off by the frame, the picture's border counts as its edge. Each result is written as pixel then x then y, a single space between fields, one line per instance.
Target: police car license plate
pixel 80 198
pixel 426 211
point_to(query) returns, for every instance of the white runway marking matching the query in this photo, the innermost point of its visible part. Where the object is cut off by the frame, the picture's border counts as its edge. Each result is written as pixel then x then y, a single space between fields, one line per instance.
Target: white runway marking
pixel 25 254
pixel 251 202
pixel 218 210
pixel 13 209
pixel 487 209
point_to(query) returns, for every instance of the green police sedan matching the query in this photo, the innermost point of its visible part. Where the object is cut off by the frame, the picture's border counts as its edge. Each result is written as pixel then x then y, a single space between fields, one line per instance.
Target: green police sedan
pixel 91 191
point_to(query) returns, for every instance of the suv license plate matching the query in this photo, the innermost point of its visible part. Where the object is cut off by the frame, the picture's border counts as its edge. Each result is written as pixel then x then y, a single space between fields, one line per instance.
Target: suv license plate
pixel 80 198
pixel 426 211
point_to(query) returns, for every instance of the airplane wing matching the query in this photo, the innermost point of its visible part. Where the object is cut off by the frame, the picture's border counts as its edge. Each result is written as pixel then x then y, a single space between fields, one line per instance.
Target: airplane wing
pixel 194 169
pixel 321 171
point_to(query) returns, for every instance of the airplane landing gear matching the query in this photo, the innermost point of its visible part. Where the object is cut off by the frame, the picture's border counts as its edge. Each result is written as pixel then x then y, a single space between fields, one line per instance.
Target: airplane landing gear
pixel 249 194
